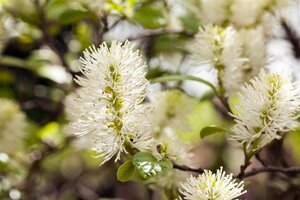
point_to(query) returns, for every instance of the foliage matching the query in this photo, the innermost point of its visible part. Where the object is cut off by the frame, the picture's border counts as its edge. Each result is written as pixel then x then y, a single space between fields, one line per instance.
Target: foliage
pixel 203 62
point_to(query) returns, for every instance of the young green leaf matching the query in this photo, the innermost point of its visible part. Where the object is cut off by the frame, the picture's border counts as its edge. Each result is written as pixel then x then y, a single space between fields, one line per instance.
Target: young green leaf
pixel 210 130
pixel 148 166
pixel 70 16
pixel 125 171
pixel 190 23
pixel 150 16
pixel 233 100
pixel 55 8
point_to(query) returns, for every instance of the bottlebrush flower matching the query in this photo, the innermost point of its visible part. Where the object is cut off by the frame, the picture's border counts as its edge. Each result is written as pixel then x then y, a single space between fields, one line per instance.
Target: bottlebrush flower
pixel 267 106
pixel 169 146
pixel 108 105
pixel 169 116
pixel 247 12
pixel 241 13
pixel 254 49
pixel 12 126
pixel 207 186
pixel 171 109
pixel 221 49
pixel 214 11
pixel 71 111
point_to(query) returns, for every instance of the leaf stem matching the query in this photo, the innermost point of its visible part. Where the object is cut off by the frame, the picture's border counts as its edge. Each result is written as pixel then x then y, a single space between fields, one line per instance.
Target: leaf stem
pixel 179 77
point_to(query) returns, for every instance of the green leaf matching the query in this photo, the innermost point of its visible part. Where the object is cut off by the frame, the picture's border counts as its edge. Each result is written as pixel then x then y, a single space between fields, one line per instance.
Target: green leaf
pixel 292 142
pixel 204 110
pixel 148 166
pixel 83 34
pixel 13 61
pixel 51 132
pixel 116 6
pixel 125 171
pixel 169 43
pixel 155 72
pixel 190 23
pixel 210 130
pixel 150 16
pixel 233 100
pixel 55 8
pixel 72 15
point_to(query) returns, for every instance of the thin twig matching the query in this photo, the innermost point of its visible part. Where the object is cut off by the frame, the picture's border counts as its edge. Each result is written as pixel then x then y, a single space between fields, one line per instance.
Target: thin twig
pixel 116 22
pixel 257 156
pixel 223 107
pixel 188 169
pixel 101 28
pixel 247 162
pixel 286 171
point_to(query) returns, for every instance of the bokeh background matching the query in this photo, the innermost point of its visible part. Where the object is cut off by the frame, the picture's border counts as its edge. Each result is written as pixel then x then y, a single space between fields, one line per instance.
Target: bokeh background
pixel 40 45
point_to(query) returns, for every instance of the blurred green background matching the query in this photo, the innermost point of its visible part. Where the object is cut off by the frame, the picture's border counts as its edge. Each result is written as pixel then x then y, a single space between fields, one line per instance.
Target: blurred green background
pixel 40 44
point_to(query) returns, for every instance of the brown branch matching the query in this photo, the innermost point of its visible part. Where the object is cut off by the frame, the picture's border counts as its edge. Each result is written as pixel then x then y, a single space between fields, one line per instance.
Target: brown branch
pixel 222 107
pixel 47 38
pixel 292 38
pixel 188 169
pixel 286 171
pixel 255 171
pixel 262 162
pixel 248 156
pixel 100 27
pixel 116 23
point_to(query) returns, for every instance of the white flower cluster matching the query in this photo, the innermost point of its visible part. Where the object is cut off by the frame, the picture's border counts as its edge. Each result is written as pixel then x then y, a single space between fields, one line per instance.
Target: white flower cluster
pixel 254 49
pixel 268 106
pixel 108 106
pixel 169 116
pixel 247 12
pixel 208 186
pixel 71 110
pixel 240 13
pixel 169 146
pixel 221 49
pixel 236 44
pixel 214 11
pixel 12 126
pixel 235 56
pixel 170 110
